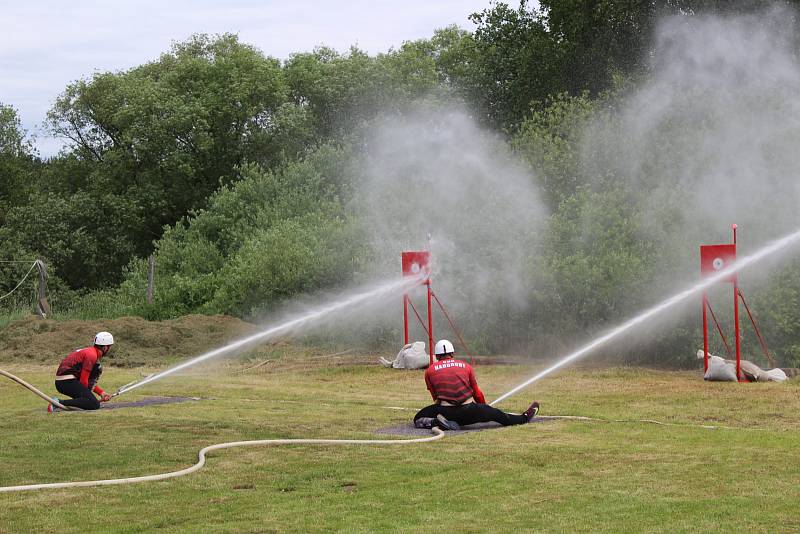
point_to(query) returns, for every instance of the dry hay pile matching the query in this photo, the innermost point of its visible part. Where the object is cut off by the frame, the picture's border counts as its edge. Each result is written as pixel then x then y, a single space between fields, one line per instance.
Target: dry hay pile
pixel 138 342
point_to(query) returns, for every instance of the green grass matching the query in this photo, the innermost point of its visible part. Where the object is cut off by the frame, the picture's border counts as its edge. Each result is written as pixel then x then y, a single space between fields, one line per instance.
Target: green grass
pixel 561 476
pixel 9 315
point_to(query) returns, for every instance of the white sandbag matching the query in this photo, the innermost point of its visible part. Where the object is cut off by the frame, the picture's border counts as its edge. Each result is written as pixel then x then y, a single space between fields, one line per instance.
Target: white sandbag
pixel 773 375
pixel 719 370
pixel 750 370
pixel 411 356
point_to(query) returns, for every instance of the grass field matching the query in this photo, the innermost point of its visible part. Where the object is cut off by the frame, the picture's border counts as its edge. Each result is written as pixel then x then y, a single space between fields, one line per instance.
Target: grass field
pixel 557 476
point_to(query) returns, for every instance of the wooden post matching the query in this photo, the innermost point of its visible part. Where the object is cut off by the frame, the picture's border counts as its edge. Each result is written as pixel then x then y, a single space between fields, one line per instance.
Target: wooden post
pixel 42 306
pixel 151 275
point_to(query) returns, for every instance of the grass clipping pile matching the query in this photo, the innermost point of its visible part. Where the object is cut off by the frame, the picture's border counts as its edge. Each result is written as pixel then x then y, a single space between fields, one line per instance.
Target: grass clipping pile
pixel 138 342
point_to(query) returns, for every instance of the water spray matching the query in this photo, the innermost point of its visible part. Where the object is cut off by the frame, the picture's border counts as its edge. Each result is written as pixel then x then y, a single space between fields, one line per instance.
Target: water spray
pixel 286 326
pixel 121 389
pixel 733 268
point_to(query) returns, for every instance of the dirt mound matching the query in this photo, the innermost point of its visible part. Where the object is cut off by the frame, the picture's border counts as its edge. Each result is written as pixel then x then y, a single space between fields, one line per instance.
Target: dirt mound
pixel 137 342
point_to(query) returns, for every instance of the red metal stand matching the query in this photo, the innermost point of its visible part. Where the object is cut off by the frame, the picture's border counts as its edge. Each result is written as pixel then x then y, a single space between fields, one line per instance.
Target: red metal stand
pixel 705 333
pixel 728 351
pixel 430 322
pixel 417 263
pixel 736 316
pixel 714 258
pixel 761 341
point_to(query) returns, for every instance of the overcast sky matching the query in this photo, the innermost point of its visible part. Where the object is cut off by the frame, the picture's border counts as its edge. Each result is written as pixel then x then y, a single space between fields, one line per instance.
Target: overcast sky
pixel 46 44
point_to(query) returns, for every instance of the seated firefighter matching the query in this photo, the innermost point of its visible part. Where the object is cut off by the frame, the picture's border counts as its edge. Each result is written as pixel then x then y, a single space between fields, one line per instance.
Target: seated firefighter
pixel 457 400
pixel 78 373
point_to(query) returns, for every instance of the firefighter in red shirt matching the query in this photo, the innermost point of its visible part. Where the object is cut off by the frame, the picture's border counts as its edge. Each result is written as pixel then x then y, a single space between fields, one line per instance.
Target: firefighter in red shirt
pixel 457 399
pixel 78 373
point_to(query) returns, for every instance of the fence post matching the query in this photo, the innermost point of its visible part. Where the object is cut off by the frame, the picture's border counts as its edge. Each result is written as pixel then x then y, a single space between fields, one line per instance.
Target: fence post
pixel 42 306
pixel 151 275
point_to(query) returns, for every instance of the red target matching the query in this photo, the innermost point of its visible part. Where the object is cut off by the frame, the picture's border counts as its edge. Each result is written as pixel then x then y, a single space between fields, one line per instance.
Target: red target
pixel 416 263
pixel 716 258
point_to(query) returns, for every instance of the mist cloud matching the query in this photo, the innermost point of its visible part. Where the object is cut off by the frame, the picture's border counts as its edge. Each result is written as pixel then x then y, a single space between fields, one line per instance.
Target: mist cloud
pixel 719 123
pixel 437 173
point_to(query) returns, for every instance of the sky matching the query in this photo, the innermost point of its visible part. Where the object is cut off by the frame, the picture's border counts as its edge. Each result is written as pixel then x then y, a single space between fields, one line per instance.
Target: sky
pixel 47 44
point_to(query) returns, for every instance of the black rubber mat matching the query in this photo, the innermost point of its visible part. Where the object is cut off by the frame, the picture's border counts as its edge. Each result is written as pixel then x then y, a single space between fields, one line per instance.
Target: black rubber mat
pixel 410 430
pixel 150 401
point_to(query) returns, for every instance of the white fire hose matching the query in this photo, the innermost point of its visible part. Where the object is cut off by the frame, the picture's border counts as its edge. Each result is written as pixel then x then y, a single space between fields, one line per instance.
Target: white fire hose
pixel 24 384
pixel 437 434
pixel 202 459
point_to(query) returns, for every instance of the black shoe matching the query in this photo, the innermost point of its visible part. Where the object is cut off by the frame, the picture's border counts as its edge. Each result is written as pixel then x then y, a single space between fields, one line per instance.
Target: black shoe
pixel 424 422
pixel 445 424
pixel 531 412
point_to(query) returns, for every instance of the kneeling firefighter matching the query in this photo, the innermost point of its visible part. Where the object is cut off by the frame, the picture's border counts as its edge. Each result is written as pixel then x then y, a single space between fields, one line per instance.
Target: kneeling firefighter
pixel 457 399
pixel 78 373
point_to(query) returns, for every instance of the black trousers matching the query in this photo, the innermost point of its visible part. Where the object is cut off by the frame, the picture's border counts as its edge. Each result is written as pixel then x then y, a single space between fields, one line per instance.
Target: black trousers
pixel 81 396
pixel 467 414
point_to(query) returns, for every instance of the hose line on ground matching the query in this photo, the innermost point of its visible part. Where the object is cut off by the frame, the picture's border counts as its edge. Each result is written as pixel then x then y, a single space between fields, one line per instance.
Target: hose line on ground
pixel 437 434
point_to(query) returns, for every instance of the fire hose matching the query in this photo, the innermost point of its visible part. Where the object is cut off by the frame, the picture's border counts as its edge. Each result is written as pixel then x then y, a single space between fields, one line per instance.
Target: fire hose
pixel 437 434
pixel 24 384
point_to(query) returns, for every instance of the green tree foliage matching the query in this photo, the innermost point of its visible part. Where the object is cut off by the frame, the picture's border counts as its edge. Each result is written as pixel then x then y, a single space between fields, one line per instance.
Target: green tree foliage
pixel 269 236
pixel 779 315
pixel 453 52
pixel 169 132
pixel 82 238
pixel 17 159
pixel 596 258
pixel 522 56
pixel 550 140
pixel 344 91
pixel 19 167
pixel 600 39
pixel 166 135
pixel 516 63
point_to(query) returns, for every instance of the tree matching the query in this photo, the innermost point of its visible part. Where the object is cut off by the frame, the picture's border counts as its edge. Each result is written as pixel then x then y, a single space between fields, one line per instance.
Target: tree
pixel 525 55
pixel 83 239
pixel 169 132
pixel 550 140
pixel 517 63
pixel 17 159
pixel 344 91
pixel 260 240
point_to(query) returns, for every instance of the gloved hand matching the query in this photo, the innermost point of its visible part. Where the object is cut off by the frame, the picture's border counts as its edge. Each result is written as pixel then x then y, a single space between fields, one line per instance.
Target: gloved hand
pixel 105 397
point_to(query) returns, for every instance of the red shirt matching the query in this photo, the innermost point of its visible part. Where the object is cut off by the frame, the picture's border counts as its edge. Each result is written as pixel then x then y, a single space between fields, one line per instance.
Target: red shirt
pixel 80 364
pixel 452 381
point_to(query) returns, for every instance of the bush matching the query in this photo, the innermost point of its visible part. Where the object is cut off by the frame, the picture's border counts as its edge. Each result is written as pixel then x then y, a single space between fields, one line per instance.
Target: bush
pixel 263 239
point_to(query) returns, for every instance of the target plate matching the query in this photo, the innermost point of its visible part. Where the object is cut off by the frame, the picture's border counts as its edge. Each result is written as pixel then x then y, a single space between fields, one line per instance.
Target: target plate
pixel 715 258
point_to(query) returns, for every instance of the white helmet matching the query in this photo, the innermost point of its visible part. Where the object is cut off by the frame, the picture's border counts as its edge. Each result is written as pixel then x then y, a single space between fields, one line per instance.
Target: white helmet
pixel 443 347
pixel 103 338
